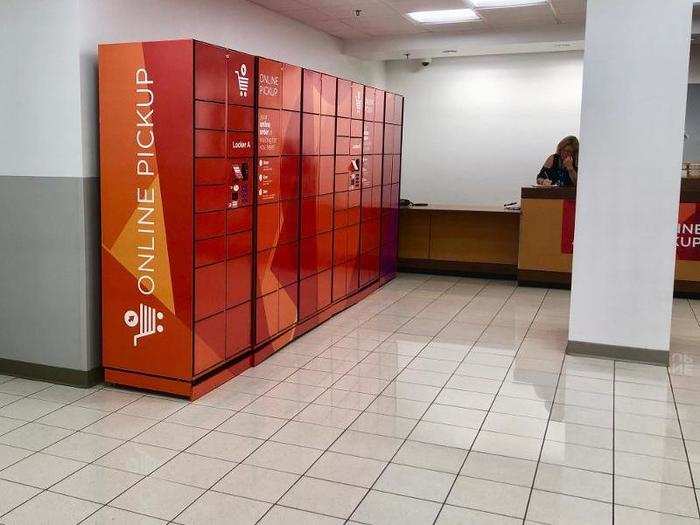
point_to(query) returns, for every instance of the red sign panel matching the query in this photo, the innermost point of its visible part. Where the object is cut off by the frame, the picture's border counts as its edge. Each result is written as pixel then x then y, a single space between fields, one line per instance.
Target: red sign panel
pixel 687 241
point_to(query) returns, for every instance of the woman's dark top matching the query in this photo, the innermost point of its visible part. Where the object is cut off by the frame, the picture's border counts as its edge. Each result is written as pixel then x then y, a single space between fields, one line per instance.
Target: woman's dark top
pixel 558 174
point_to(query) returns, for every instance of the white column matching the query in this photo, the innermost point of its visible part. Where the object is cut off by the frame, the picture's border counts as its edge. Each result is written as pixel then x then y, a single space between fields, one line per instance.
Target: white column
pixel 632 116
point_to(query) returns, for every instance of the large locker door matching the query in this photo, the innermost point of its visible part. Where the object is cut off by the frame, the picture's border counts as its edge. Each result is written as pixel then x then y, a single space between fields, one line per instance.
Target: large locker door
pixel 211 201
pixel 318 147
pixel 391 162
pixel 239 215
pixel 369 231
pixel 278 177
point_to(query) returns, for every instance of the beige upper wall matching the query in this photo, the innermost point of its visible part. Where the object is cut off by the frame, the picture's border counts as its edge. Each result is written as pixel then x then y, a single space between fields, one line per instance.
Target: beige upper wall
pixel 236 24
pixel 48 55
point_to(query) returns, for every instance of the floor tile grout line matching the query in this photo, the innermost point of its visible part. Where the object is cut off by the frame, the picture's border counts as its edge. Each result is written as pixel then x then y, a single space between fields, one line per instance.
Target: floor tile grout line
pixel 685 447
pixel 47 489
pixel 179 453
pixel 269 440
pixel 544 440
pixel 300 367
pixel 363 411
pixel 138 397
pixel 390 461
pixel 515 355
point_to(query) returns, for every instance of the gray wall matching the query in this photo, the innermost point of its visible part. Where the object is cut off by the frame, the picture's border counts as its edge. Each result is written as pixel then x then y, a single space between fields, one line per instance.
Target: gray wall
pixel 49 271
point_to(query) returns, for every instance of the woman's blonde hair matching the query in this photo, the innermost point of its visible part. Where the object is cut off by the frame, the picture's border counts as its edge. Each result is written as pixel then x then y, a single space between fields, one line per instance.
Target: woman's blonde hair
pixel 572 142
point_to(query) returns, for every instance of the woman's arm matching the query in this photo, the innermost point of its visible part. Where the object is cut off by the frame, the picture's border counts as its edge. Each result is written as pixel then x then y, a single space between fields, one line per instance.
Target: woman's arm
pixel 543 177
pixel 571 169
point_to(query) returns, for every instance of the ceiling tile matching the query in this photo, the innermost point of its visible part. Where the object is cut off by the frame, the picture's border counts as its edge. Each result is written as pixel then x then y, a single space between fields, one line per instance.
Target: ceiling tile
pixel 368 9
pixel 569 6
pixel 518 16
pixel 388 17
pixel 474 25
pixel 308 16
pixel 280 5
pixel 408 6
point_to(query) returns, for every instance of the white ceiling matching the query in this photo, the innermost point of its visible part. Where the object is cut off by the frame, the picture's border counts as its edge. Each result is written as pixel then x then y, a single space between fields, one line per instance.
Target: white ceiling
pixel 387 18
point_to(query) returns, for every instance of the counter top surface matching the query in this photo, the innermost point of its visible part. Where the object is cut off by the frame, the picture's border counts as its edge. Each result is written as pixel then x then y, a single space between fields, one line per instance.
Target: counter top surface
pixel 460 207
pixel 690 191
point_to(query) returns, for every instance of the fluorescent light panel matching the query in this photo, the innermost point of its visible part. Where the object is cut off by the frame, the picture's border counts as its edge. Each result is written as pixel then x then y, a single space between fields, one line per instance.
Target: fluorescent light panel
pixel 486 4
pixel 444 16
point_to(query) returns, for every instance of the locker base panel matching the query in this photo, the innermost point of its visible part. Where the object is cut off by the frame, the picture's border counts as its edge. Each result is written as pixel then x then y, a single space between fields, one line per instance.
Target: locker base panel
pixel 386 278
pixel 208 381
pixel 179 387
pixel 269 348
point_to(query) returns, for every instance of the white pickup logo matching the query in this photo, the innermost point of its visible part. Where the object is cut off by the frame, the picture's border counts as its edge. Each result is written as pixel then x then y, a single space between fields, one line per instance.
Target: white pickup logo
pixel 242 75
pixel 146 320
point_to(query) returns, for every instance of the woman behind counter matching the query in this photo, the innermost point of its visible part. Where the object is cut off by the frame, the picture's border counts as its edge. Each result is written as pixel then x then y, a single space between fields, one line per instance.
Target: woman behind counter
pixel 561 169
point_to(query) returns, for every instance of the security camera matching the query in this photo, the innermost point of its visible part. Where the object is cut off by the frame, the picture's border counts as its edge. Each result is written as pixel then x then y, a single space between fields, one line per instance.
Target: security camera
pixel 425 62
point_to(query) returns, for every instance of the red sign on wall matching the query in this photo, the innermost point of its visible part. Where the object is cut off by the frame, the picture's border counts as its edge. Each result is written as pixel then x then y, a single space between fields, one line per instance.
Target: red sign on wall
pixel 687 241
pixel 568 221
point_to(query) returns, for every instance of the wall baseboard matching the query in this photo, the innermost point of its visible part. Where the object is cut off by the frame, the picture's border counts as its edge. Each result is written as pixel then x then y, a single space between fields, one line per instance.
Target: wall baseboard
pixel 620 353
pixel 53 374
pixel 458 268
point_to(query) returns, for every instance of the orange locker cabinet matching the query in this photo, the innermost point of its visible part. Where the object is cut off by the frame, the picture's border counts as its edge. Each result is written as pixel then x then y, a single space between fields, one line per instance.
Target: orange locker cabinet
pixel 391 175
pixel 176 143
pixel 277 208
pixel 244 201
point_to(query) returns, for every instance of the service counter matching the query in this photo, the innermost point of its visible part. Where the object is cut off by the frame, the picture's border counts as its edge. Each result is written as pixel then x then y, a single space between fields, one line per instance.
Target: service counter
pixel 534 245
pixel 547 237
pixel 465 240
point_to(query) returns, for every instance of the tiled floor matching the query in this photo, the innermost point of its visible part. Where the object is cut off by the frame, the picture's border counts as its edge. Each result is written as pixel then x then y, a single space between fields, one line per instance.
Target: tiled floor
pixel 435 400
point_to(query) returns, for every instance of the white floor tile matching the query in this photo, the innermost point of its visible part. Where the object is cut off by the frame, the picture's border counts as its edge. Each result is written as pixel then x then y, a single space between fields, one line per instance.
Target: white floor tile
pixel 279 515
pixel 499 468
pixel 342 468
pixel 415 482
pixel 489 496
pixel 391 509
pixel 157 497
pixel 548 507
pixel 96 483
pixel 52 508
pixel 195 470
pixel 287 458
pixel 115 516
pixel 323 497
pixel 256 483
pixel 41 470
pixel 14 494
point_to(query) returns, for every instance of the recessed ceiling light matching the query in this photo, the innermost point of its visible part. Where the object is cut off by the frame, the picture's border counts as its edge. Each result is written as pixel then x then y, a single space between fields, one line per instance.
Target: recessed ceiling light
pixel 449 51
pixel 444 16
pixel 485 4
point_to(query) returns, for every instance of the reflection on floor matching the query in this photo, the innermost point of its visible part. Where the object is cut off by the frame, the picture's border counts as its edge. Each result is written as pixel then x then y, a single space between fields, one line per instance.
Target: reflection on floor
pixel 435 400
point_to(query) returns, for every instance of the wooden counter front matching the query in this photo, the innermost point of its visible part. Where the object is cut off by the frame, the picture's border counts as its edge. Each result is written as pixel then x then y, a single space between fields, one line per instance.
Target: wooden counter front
pixel 541 260
pixel 466 240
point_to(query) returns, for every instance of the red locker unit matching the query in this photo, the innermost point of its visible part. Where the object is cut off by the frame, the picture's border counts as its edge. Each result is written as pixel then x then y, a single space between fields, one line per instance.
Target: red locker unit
pixel 391 178
pixel 244 201
pixel 373 134
pixel 317 183
pixel 347 191
pixel 277 207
